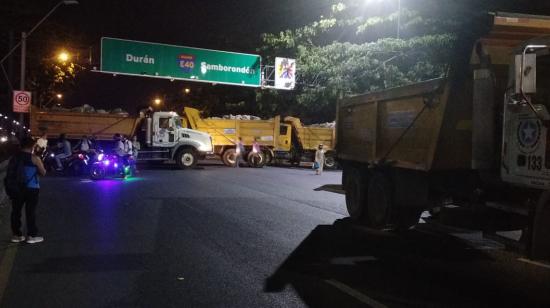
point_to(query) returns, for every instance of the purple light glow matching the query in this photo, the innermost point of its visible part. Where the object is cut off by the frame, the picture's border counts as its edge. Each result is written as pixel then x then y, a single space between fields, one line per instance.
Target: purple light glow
pixel 106 162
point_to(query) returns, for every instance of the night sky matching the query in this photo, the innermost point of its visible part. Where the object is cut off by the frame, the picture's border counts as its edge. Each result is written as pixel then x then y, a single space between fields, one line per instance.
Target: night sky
pixel 224 25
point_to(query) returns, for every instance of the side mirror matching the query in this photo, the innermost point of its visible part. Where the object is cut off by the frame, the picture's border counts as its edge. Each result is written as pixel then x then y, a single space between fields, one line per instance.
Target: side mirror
pixel 526 73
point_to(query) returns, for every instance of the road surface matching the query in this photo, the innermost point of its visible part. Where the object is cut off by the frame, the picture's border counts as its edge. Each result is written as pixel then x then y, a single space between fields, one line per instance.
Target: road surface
pixel 222 237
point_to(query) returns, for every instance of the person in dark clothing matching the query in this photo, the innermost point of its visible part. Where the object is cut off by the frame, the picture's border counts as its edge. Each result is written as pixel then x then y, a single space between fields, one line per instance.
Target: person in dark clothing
pixel 28 198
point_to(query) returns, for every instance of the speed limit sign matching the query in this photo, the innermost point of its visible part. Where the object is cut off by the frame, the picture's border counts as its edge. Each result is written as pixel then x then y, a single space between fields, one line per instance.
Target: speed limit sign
pixel 21 101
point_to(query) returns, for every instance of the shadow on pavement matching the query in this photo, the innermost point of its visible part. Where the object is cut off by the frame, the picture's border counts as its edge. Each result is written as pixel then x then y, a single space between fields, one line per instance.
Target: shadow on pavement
pixel 411 269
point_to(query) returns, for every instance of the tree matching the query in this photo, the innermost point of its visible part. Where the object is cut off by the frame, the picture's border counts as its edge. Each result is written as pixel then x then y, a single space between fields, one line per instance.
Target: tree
pixel 352 51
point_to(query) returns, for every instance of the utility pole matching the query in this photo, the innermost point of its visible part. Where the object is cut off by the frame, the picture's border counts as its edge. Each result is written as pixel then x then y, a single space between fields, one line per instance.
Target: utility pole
pixel 23 67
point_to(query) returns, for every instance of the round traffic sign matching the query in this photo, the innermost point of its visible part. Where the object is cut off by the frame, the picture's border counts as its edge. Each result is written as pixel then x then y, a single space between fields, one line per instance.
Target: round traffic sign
pixel 22 99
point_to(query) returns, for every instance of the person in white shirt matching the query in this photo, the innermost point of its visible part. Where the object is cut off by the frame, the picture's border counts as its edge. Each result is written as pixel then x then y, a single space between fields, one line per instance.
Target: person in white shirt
pixel 41 144
pixel 84 145
pixel 319 160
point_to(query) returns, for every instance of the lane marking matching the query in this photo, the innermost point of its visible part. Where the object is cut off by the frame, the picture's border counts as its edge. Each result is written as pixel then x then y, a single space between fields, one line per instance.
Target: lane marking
pixel 547 266
pixel 355 294
pixel 6 267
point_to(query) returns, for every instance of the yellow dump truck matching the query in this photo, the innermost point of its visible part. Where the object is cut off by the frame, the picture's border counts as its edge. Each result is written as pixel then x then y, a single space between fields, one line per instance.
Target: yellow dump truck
pixel 306 140
pixel 477 138
pixel 288 140
pixel 161 134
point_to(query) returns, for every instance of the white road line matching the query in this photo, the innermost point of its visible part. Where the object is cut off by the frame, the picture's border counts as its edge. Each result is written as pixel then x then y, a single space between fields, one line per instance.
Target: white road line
pixel 355 294
pixel 547 266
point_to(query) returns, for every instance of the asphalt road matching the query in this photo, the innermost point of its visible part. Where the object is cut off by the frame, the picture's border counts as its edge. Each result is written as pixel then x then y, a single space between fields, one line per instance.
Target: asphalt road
pixel 222 237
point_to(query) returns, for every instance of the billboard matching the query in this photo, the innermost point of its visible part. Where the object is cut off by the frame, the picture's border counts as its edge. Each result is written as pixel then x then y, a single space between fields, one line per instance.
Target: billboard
pixel 285 73
pixel 136 58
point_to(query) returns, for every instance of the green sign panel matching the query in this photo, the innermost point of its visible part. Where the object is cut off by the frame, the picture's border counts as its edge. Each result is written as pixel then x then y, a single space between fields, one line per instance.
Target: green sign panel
pixel 136 58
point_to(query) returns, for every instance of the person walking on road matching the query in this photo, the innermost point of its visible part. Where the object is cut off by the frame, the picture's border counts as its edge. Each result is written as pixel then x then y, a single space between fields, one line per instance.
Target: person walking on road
pixel 239 152
pixel 22 186
pixel 319 160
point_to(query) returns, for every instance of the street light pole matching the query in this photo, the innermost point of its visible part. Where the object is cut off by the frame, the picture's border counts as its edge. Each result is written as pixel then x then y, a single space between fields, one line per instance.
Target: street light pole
pixel 23 44
pixel 23 68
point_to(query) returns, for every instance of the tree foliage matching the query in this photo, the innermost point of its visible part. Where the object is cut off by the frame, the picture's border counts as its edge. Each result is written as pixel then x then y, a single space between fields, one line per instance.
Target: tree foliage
pixel 351 52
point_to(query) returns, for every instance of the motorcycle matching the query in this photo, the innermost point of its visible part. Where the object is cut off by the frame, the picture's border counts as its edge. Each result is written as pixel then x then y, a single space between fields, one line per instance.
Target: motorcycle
pixel 111 165
pixel 76 164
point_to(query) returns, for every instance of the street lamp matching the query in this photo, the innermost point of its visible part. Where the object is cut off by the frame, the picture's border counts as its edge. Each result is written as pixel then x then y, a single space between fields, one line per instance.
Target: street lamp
pixel 187 90
pixel 23 44
pixel 157 101
pixel 63 56
pixel 59 96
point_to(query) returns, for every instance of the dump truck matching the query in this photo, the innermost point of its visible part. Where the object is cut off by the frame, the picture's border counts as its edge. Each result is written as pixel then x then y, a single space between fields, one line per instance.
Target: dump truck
pixel 477 138
pixel 286 140
pixel 161 134
pixel 305 141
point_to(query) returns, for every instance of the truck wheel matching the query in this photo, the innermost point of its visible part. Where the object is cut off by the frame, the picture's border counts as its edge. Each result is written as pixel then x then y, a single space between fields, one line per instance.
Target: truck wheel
pixel 330 162
pixel 356 193
pixel 256 160
pixel 379 201
pixel 229 157
pixel 540 243
pixel 268 157
pixel 186 158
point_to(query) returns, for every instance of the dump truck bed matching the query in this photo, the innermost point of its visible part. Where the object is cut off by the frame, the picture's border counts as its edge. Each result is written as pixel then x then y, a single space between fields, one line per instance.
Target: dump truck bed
pixel 310 137
pixel 75 124
pixel 401 126
pixel 225 132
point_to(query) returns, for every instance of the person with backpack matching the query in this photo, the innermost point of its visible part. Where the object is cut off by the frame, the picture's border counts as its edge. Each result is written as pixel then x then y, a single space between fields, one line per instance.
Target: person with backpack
pixel 22 186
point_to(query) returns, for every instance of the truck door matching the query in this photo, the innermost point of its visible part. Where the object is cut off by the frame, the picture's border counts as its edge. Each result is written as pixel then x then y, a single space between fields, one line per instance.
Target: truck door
pixel 164 132
pixel 284 142
pixel 526 152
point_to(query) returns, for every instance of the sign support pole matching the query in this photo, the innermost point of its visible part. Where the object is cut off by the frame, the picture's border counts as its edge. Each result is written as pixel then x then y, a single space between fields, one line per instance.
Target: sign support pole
pixel 23 68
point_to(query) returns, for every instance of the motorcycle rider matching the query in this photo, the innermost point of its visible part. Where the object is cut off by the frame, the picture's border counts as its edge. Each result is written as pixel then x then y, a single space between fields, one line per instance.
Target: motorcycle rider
pixel 65 146
pixel 84 145
pixel 119 145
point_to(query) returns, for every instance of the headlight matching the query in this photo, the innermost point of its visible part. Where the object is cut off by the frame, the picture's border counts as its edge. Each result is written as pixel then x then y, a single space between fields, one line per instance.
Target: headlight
pixel 205 148
pixel 3 139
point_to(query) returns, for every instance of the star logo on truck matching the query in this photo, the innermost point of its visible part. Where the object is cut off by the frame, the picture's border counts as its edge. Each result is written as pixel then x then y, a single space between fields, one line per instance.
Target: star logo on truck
pixel 528 134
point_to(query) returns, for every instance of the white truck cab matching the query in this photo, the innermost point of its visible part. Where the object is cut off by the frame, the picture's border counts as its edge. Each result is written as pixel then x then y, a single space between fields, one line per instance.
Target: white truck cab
pixel 167 138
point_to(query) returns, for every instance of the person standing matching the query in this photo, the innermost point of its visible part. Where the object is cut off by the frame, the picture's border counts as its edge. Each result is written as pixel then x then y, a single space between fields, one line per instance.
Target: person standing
pixel 41 144
pixel 23 187
pixel 239 152
pixel 319 160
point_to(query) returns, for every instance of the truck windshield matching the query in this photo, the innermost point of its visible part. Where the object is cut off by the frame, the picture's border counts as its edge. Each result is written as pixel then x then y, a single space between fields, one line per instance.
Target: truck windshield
pixel 543 80
pixel 179 122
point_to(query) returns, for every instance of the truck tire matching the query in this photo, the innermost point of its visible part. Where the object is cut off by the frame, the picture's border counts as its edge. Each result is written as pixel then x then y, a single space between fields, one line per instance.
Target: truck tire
pixel 186 158
pixel 356 193
pixel 268 156
pixel 330 162
pixel 540 243
pixel 380 201
pixel 256 160
pixel 229 157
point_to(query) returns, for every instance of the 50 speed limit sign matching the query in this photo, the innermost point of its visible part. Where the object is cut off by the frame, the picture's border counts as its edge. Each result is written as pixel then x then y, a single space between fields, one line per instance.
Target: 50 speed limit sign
pixel 21 101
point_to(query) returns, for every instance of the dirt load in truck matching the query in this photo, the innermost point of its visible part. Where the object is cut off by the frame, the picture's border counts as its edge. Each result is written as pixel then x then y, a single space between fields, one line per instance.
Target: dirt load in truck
pixel 477 137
